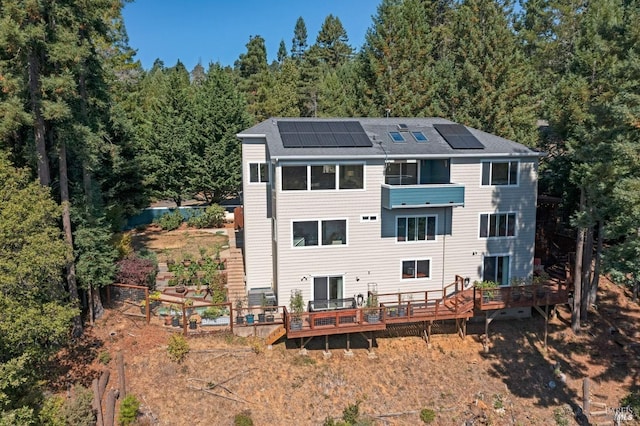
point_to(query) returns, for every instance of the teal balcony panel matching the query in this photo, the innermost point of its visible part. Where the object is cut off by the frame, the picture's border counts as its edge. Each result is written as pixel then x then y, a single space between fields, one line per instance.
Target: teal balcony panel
pixel 415 196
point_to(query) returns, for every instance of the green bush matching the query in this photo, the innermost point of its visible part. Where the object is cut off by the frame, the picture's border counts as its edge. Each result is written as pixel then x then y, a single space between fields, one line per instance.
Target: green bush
pixel 170 221
pixel 104 357
pixel 178 348
pixel 632 401
pixel 128 410
pixel 427 415
pixel 243 419
pixel 212 217
pixel 51 411
pixel 78 411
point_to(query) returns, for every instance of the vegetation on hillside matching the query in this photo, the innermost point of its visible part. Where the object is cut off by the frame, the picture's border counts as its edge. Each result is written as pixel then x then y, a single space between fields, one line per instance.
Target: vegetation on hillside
pixel 102 137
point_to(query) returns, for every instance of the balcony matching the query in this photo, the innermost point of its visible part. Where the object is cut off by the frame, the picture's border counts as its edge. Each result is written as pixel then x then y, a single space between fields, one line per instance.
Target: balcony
pixel 430 195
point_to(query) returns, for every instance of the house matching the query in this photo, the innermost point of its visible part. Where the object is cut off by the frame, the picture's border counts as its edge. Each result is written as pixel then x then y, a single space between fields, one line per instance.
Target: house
pixel 338 207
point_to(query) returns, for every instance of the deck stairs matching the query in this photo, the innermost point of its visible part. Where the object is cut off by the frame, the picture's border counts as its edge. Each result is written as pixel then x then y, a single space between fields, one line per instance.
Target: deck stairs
pixel 463 299
pixel 276 334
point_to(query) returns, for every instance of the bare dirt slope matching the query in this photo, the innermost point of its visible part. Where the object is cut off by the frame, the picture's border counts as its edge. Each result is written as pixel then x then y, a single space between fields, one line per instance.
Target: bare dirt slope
pixel 510 385
pixel 507 386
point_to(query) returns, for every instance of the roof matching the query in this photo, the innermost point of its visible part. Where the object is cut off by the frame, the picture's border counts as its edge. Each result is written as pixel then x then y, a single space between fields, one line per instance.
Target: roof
pixel 382 145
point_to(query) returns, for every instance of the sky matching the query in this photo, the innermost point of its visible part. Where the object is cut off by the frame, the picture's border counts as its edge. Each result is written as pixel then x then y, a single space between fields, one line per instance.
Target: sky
pixel 209 31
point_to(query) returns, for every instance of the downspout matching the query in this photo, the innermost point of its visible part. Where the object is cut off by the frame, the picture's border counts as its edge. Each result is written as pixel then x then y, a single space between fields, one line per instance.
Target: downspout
pixel 444 242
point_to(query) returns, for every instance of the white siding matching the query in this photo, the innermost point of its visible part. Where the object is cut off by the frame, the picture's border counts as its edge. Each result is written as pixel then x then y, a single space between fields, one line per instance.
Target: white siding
pixel 372 254
pixel 257 224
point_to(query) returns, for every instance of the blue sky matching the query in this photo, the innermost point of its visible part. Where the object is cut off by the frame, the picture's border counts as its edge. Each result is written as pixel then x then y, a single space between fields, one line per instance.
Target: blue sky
pixel 218 30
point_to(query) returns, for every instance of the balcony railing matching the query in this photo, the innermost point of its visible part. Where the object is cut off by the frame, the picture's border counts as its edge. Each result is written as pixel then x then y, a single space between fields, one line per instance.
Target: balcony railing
pixel 428 195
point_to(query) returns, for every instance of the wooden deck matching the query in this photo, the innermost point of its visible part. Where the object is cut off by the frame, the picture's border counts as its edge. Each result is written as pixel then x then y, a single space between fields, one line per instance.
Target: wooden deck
pixel 551 293
pixel 454 302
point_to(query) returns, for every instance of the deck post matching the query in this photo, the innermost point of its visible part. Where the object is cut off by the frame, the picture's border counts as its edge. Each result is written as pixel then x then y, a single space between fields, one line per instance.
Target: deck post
pixel 326 353
pixel 546 323
pixel 485 340
pixel 348 351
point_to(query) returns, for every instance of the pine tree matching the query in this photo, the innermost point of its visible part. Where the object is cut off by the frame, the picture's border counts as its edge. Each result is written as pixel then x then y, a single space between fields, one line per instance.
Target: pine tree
pixel 333 43
pixel 299 41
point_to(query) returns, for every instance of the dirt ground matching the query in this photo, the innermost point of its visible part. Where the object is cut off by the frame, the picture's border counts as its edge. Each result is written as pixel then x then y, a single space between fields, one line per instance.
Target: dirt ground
pixel 517 382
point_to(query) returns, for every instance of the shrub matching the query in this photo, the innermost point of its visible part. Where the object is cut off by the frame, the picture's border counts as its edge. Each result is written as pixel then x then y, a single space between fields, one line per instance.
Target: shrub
pixel 243 418
pixel 104 357
pixel 170 221
pixel 129 410
pixel 178 348
pixel 212 217
pixel 51 411
pixel 78 411
pixel 135 270
pixel 632 401
pixel 122 243
pixel 427 415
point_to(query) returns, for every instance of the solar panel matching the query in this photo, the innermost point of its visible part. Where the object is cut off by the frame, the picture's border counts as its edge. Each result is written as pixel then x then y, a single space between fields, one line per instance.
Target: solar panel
pixel 323 134
pixel 458 136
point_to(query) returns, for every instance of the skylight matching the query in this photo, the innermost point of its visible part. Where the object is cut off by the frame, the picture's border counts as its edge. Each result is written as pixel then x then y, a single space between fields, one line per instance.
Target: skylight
pixel 419 137
pixel 396 136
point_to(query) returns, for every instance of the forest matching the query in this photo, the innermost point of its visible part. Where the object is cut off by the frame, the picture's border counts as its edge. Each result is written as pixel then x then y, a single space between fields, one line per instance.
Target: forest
pixel 88 137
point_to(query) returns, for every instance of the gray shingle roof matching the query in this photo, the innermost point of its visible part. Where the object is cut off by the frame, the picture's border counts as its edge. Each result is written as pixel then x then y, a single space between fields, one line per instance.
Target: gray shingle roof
pixel 383 147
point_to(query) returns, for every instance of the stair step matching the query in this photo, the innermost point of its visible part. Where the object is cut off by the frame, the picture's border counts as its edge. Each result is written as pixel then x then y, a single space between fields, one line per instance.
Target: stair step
pixel 275 335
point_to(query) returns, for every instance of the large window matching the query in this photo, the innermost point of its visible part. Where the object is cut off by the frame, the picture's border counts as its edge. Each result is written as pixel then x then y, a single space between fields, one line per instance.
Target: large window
pixel 496 268
pixel 322 177
pixel 415 269
pixel 319 232
pixel 351 176
pixel 497 225
pixel 258 172
pixel 418 228
pixel 294 178
pixel 401 173
pixel 500 173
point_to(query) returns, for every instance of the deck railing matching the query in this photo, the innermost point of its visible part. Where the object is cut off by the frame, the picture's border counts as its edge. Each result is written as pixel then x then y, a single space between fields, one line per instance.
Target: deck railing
pixel 549 293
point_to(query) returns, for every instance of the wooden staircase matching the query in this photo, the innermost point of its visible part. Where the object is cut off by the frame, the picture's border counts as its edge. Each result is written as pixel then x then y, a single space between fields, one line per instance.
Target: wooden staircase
pixel 463 299
pixel 235 275
pixel 275 335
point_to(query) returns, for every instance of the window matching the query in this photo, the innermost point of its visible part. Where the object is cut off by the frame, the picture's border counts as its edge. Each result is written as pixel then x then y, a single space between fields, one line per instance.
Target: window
pixel 419 228
pixel 396 136
pixel 500 173
pixel 415 269
pixel 419 137
pixel 294 178
pixel 305 233
pixel 496 268
pixel 401 174
pixel 351 176
pixel 497 225
pixel 323 177
pixel 323 232
pixel 258 172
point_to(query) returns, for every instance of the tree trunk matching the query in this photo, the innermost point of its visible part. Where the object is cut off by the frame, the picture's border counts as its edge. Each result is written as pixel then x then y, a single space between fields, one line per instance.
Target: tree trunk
pixel 98 309
pixel 90 290
pixel 595 279
pixel 586 274
pixel 68 233
pixel 577 274
pixel 38 120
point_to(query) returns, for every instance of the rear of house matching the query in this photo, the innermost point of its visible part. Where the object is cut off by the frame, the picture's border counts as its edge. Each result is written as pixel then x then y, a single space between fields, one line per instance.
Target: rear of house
pixel 338 207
